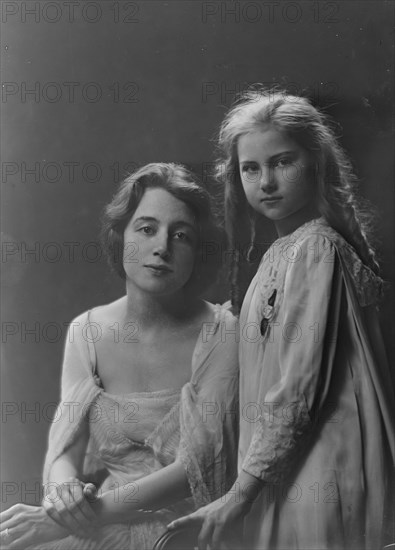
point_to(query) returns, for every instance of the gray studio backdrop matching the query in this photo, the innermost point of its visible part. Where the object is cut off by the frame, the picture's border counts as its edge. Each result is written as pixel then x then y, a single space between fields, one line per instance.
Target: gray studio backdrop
pixel 93 89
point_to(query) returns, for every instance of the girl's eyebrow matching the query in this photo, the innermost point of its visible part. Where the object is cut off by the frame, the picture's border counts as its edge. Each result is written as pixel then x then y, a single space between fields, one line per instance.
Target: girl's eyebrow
pixel 273 157
pixel 290 152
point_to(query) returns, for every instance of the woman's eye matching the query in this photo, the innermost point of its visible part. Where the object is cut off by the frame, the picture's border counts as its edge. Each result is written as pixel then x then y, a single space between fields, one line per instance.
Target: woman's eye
pixel 180 235
pixel 147 230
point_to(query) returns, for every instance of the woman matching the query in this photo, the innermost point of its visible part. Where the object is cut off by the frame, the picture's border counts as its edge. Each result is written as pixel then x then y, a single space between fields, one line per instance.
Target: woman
pixel 316 441
pixel 146 380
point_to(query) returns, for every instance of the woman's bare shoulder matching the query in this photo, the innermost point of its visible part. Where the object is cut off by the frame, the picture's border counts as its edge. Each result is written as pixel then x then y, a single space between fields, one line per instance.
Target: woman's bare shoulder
pixel 108 313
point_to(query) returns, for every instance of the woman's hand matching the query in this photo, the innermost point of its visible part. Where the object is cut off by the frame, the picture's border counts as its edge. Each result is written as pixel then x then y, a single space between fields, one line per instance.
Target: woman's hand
pixel 221 523
pixel 23 526
pixel 68 504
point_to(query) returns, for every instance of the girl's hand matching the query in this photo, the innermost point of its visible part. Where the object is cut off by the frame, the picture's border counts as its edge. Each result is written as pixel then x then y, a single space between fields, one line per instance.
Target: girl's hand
pixel 68 504
pixel 221 523
pixel 23 526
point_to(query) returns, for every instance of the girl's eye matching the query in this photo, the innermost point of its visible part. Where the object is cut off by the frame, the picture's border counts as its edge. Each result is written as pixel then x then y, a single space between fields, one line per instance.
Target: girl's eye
pixel 249 168
pixel 281 163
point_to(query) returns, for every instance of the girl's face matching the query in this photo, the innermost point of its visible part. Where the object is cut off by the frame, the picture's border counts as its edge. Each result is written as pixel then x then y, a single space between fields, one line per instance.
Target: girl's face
pixel 276 176
pixel 160 244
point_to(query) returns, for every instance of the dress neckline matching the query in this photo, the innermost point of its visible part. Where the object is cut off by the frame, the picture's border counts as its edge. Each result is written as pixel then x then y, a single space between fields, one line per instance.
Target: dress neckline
pixel 301 229
pixel 216 308
pixel 167 392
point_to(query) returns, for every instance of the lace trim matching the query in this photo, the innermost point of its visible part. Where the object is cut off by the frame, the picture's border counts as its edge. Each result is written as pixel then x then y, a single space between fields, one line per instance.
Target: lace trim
pixel 271 453
pixel 271 272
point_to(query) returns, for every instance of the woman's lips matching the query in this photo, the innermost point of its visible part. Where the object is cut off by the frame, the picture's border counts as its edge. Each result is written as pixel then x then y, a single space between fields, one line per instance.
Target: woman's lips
pixel 158 268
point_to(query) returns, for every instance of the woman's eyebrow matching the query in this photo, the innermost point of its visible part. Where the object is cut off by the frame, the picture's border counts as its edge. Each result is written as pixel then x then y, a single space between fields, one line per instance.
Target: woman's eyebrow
pixel 182 223
pixel 145 219
pixel 177 223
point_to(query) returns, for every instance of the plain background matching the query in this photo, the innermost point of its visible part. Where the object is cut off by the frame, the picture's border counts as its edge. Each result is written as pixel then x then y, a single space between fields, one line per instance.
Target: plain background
pixel 151 82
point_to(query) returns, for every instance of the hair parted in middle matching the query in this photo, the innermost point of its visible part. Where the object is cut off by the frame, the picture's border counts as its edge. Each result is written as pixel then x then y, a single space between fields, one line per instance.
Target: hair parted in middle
pixel 182 184
pixel 258 109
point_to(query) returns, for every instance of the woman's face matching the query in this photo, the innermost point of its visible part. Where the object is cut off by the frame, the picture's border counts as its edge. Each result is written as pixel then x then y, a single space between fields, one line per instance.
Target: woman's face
pixel 276 176
pixel 160 243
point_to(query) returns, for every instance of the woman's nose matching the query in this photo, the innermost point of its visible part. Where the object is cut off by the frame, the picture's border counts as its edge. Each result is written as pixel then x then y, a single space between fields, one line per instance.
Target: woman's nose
pixel 161 247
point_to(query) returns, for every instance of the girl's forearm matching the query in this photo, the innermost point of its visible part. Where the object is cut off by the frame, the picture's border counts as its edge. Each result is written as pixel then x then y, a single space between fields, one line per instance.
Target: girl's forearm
pixel 153 492
pixel 246 489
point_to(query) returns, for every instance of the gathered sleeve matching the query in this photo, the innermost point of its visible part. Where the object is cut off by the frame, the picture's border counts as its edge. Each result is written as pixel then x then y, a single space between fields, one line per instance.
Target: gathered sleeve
pixel 78 391
pixel 209 412
pixel 304 341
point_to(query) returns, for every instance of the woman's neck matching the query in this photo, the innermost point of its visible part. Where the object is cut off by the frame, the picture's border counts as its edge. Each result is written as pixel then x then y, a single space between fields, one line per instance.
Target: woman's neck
pixel 150 311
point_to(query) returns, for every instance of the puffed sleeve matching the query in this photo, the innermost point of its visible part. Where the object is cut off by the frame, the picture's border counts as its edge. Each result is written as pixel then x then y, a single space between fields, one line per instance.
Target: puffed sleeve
pixel 305 346
pixel 78 391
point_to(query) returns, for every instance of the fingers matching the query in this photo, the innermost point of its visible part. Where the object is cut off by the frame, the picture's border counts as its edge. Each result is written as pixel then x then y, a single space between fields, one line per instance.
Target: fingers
pixel 205 536
pixel 69 507
pixel 4 540
pixel 10 537
pixel 11 517
pixel 192 520
pixel 9 513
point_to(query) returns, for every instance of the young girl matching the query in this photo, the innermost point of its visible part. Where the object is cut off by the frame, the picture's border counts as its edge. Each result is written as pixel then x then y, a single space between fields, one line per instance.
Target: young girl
pixel 316 435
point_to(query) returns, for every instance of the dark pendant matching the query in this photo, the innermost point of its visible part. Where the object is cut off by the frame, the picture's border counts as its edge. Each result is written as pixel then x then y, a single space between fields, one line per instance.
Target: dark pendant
pixel 264 325
pixel 268 311
pixel 272 298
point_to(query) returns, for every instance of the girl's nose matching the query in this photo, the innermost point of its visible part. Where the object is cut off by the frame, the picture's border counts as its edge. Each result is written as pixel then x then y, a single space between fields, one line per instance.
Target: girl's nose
pixel 266 181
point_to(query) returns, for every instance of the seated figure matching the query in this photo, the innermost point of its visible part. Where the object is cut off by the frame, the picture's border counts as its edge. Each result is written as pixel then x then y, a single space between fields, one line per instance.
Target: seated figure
pixel 146 430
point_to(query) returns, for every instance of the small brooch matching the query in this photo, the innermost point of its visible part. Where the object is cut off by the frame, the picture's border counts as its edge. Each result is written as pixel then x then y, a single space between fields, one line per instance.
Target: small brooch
pixel 268 312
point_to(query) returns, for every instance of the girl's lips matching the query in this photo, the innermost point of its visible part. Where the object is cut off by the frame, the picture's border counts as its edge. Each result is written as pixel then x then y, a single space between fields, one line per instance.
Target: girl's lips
pixel 271 199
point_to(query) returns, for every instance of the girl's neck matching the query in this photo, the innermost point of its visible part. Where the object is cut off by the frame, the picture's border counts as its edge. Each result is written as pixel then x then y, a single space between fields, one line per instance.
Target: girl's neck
pixel 289 224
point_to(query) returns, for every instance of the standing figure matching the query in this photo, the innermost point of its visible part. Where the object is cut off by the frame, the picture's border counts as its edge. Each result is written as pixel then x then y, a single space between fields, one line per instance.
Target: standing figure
pixel 316 427
pixel 145 382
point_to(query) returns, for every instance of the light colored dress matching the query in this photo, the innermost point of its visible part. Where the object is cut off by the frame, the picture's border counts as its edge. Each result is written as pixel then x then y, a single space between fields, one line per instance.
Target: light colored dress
pixel 316 409
pixel 137 434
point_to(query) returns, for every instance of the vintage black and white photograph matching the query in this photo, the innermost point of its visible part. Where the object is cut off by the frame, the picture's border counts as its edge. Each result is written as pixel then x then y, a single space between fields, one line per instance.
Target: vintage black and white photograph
pixel 197 220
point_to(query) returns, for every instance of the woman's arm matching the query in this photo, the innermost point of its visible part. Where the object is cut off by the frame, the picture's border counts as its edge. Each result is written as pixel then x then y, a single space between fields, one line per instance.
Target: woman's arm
pixel 24 526
pixel 153 492
pixel 66 498
pixel 70 463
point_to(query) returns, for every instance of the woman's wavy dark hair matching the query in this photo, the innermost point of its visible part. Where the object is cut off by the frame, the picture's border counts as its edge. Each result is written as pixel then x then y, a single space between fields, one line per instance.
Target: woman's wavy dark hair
pixel 335 181
pixel 180 183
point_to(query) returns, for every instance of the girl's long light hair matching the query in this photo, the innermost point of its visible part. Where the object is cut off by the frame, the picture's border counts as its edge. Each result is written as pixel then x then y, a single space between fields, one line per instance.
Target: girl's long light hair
pixel 335 181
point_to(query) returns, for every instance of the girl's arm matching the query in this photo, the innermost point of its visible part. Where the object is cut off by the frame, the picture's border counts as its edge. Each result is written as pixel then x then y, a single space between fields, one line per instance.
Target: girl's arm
pixel 312 300
pixel 221 521
pixel 153 492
